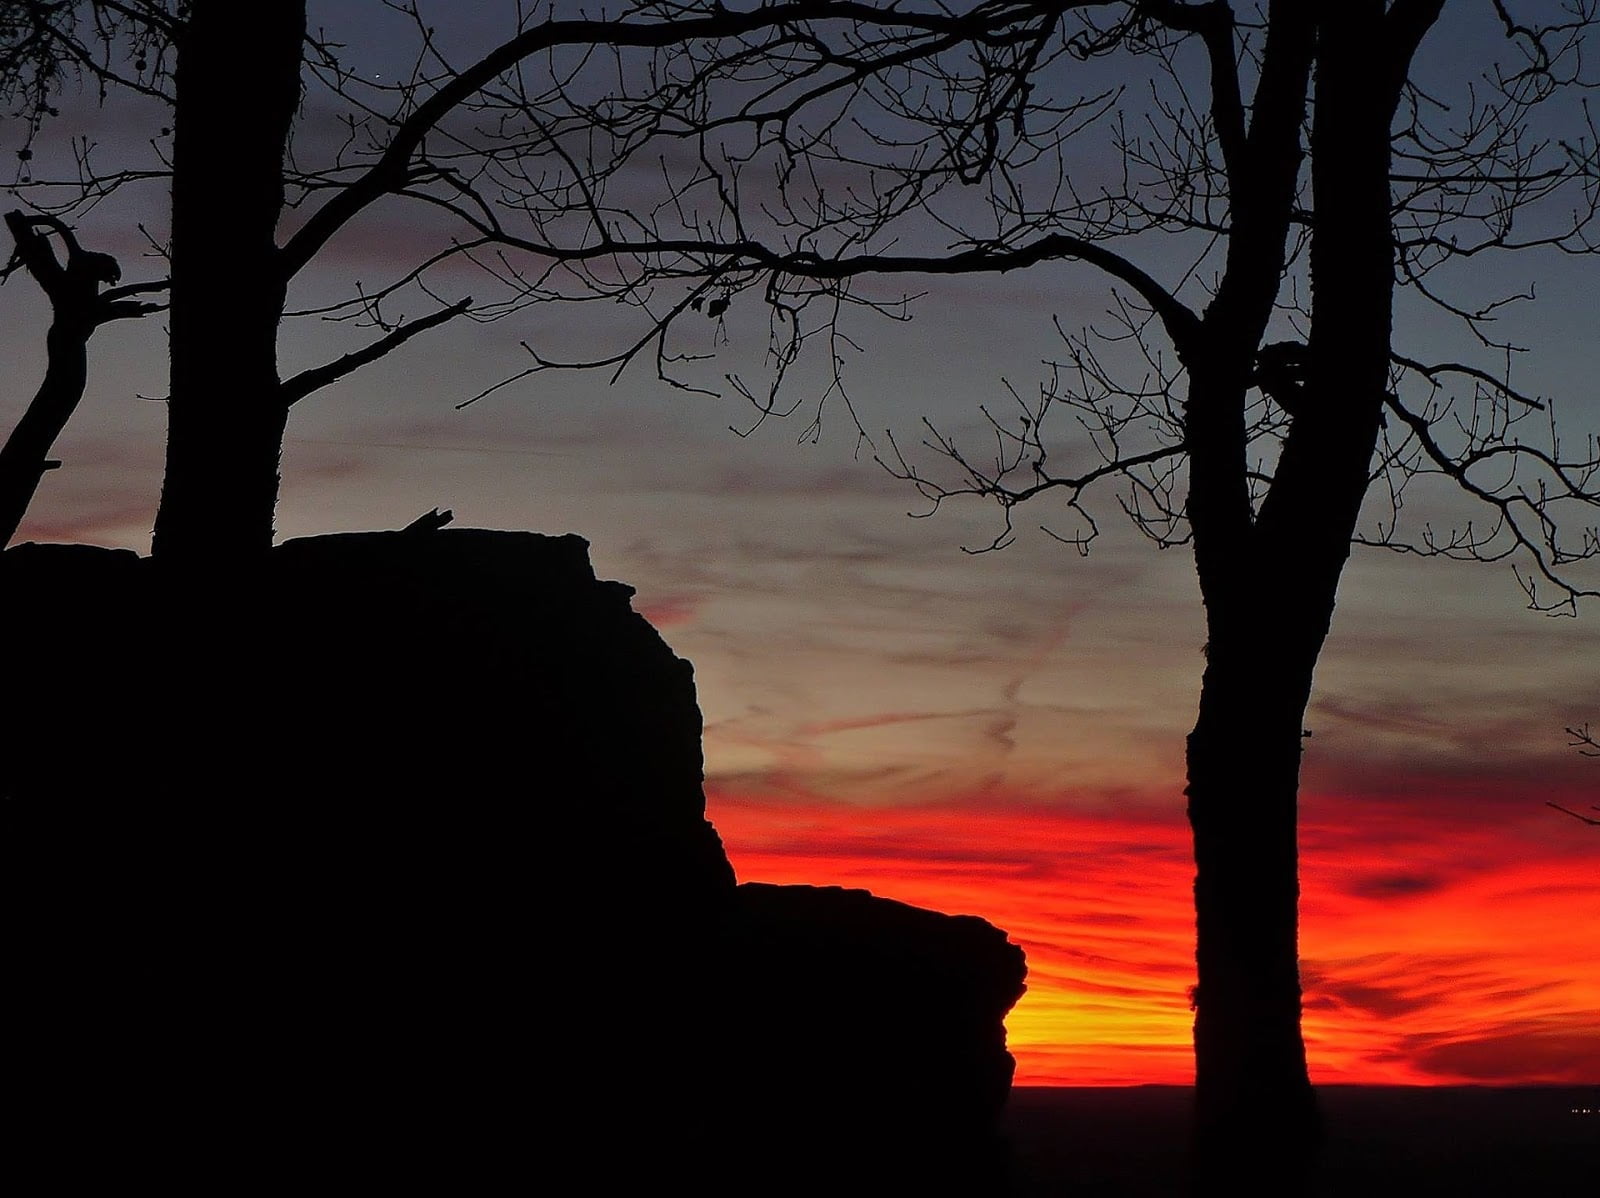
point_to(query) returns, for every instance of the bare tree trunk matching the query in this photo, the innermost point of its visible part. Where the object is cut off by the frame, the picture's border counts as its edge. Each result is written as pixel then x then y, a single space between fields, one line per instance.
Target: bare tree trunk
pixel 25 458
pixel 1256 1118
pixel 1270 595
pixel 1256 1115
pixel 1252 1091
pixel 237 85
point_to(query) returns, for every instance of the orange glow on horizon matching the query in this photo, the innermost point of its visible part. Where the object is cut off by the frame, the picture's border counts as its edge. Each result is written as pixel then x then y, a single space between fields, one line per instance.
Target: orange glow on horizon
pixel 1431 954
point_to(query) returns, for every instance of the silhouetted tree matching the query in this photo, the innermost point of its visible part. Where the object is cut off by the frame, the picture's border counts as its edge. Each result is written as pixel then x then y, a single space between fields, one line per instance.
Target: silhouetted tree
pixel 531 157
pixel 34 65
pixel 78 307
pixel 1260 453
pixel 236 87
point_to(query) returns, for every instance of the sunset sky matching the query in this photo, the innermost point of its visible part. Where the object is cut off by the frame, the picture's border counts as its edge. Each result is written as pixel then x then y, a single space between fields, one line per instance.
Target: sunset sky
pixel 999 734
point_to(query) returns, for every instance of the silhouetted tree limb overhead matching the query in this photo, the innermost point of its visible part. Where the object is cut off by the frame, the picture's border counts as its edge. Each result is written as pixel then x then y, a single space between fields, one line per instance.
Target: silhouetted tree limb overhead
pixel 1468 181
pixel 45 45
pixel 667 154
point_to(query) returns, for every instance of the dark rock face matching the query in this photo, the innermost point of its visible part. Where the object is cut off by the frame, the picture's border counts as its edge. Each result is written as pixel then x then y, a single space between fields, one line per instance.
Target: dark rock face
pixel 884 1023
pixel 445 679
pixel 390 862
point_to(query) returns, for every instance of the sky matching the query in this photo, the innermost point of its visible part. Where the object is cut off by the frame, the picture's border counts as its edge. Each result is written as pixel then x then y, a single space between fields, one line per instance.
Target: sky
pixel 998 734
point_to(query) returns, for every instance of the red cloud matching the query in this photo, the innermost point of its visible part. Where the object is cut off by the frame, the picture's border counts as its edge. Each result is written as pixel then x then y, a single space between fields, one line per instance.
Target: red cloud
pixel 1433 953
pixel 669 611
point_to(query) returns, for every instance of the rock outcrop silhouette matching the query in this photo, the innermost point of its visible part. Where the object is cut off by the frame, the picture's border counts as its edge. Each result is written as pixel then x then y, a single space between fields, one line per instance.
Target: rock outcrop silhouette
pixel 416 887
pixel 872 1031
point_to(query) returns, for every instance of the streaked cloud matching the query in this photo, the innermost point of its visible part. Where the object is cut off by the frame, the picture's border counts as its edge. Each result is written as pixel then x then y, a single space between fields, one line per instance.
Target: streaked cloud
pixel 1459 973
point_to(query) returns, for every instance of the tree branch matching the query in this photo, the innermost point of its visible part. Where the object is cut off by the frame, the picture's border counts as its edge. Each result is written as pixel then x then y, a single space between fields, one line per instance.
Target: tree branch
pixel 1213 22
pixel 293 390
pixel 1431 373
pixel 34 254
pixel 1574 814
pixel 391 169
pixel 1182 325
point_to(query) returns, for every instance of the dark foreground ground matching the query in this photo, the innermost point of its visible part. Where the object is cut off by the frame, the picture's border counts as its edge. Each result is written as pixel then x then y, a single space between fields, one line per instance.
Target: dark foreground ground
pixel 1460 1142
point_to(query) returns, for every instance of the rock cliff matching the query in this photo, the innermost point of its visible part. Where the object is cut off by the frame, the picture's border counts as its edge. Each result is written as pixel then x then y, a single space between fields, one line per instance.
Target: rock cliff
pixel 389 863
